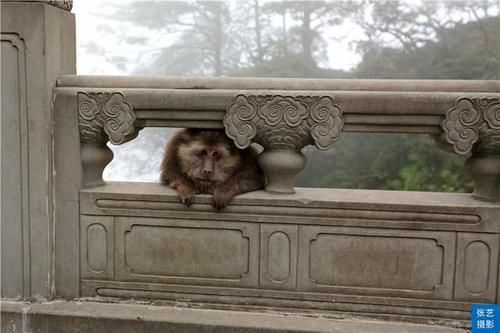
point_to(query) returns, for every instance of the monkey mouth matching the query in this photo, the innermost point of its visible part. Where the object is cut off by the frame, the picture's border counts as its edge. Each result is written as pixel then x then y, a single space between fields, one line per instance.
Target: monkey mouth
pixel 204 179
pixel 209 181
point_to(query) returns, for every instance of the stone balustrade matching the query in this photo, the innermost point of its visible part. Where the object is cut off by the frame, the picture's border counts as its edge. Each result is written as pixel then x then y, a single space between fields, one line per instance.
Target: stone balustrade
pixel 388 254
pixel 67 234
pixel 284 115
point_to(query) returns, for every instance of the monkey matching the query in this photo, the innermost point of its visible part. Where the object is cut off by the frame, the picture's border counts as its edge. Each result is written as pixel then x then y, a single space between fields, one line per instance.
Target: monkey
pixel 207 161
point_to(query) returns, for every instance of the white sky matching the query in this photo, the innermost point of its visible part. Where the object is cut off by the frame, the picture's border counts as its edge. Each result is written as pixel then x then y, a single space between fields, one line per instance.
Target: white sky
pixel 101 47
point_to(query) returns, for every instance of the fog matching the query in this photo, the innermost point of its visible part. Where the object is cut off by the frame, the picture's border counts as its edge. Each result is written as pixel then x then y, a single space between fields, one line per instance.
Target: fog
pixel 324 39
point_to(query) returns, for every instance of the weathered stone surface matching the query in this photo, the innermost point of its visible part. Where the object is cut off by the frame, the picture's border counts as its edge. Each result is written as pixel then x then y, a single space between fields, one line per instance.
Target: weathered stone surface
pixel 473 126
pixel 285 115
pixel 32 36
pixel 84 317
pixel 317 250
pixel 283 125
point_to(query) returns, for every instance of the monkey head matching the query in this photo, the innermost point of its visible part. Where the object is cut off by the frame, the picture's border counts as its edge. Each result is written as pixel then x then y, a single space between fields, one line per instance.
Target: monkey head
pixel 206 161
pixel 208 157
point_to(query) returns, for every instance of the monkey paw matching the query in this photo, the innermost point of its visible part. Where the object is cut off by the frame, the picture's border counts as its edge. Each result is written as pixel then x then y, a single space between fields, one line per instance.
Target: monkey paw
pixel 221 199
pixel 186 195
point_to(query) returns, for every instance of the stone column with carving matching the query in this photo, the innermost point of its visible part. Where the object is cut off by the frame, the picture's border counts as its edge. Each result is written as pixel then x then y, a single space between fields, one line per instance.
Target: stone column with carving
pixel 283 125
pixel 472 127
pixel 102 117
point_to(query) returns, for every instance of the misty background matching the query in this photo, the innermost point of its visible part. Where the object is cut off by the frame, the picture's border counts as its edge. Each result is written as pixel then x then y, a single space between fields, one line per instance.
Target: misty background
pixel 309 39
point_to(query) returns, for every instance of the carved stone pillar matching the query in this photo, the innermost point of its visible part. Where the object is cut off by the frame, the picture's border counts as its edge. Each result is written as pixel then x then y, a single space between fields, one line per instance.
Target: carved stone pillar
pixel 472 127
pixel 283 125
pixel 37 46
pixel 102 116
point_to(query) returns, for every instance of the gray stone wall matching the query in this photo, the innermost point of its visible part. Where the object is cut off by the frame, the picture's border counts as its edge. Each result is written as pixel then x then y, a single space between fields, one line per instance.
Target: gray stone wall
pixel 38 45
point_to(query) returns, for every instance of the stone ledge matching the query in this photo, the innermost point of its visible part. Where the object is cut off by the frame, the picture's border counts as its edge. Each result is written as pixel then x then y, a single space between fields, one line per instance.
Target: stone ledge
pixel 318 197
pixel 73 317
pixel 368 208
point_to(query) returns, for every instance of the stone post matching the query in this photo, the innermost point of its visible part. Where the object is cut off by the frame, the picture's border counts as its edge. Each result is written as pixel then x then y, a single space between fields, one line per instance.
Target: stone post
pixel 472 127
pixel 38 45
pixel 283 125
pixel 102 117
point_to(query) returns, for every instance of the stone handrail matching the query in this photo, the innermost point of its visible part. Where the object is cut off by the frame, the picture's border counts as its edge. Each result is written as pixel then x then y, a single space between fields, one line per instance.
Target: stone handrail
pixel 411 255
pixel 284 115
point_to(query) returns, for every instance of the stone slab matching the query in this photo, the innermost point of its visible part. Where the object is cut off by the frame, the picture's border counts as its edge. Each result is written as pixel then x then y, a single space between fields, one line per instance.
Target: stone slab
pixel 32 59
pixel 84 317
pixel 372 208
pixel 277 83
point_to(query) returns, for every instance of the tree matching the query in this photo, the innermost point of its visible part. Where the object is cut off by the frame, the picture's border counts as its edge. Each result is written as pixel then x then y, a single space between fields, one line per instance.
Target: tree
pixel 436 40
pixel 421 40
pixel 202 46
pixel 302 26
pixel 402 161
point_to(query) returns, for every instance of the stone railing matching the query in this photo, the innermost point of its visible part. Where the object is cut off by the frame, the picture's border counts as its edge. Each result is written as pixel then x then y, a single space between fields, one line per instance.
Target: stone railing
pixel 284 115
pixel 417 256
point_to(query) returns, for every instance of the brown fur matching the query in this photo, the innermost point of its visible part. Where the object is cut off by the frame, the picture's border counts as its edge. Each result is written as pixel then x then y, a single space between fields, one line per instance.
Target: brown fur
pixel 233 171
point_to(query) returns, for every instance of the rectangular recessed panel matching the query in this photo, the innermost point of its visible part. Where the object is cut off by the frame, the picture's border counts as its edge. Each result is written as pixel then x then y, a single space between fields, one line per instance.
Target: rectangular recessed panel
pixel 388 262
pixel 183 251
pixel 376 262
pixel 15 264
pixel 179 251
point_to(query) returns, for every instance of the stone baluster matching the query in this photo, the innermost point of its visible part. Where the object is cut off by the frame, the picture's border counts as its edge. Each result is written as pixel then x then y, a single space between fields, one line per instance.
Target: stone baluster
pixel 102 117
pixel 283 125
pixel 472 127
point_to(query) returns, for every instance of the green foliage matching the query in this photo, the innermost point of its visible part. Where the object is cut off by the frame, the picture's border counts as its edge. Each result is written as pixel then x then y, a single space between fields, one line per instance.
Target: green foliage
pixel 292 65
pixel 461 51
pixel 385 161
pixel 468 51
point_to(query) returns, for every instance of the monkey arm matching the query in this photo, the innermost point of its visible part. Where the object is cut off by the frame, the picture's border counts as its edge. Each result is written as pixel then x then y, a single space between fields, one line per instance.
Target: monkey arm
pixel 247 180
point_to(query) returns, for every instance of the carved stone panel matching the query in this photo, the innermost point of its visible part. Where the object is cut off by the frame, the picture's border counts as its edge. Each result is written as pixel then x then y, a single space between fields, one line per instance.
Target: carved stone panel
pixel 96 247
pixel 284 122
pixel 104 116
pixel 283 125
pixel 477 267
pixel 376 262
pixel 278 260
pixel 176 251
pixel 474 124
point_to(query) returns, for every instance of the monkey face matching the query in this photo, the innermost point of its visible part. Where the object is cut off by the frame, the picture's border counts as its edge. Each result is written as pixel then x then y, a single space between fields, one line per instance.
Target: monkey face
pixel 208 162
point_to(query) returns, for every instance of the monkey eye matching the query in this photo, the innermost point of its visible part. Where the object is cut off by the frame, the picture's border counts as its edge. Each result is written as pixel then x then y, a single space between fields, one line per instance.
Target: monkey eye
pixel 215 154
pixel 203 152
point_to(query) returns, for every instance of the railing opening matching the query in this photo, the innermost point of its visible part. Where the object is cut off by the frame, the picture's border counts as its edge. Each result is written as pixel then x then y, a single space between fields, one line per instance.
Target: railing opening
pixel 139 160
pixel 385 162
pixel 357 161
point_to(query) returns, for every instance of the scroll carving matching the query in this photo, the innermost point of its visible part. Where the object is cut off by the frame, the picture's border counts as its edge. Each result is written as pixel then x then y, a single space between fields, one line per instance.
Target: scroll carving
pixel 284 122
pixel 473 124
pixel 63 4
pixel 105 116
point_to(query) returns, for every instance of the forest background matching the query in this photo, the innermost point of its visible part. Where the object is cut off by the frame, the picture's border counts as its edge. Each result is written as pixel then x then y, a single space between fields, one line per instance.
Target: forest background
pixel 258 38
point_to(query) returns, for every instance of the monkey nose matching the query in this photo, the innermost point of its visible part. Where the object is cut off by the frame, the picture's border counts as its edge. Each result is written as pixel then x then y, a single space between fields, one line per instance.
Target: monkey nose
pixel 207 173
